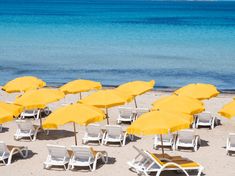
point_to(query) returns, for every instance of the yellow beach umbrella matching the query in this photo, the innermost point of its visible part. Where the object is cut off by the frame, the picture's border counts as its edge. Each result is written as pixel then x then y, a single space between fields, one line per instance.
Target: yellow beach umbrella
pixel 177 103
pixel 39 98
pixel 78 86
pixel 136 88
pixel 106 99
pixel 15 110
pixel 76 113
pixel 5 116
pixel 228 110
pixel 23 84
pixel 9 111
pixel 160 122
pixel 198 91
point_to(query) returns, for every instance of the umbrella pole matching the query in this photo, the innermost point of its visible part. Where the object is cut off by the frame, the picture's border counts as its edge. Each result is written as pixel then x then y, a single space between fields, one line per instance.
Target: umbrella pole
pixel 75 135
pixel 80 95
pixel 107 116
pixel 40 118
pixel 135 102
pixel 162 145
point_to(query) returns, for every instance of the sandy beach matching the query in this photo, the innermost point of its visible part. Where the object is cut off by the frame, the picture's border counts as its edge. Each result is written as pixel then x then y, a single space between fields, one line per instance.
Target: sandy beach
pixel 211 155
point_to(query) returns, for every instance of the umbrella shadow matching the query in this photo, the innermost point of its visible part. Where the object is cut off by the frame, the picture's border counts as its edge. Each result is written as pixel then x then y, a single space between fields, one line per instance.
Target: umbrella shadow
pixel 54 134
pixel 4 130
pixel 218 122
pixel 100 163
pixel 204 143
pixel 17 156
pixel 130 139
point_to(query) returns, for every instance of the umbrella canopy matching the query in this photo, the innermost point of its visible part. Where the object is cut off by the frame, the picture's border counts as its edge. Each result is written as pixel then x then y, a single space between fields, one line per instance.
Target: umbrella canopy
pixel 175 103
pixel 198 91
pixel 228 110
pixel 160 122
pixel 75 113
pixel 78 86
pixel 9 111
pixel 23 84
pixel 136 88
pixel 38 99
pixel 5 116
pixel 78 113
pixel 15 110
pixel 106 99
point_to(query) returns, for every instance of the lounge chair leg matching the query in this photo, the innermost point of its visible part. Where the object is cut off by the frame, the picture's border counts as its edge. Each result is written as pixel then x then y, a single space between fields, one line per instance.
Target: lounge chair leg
pixel 65 167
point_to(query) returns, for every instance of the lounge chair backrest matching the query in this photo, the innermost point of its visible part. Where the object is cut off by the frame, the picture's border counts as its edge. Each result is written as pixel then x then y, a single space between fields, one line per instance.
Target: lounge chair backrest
pixel 24 125
pixel 3 148
pixel 82 152
pixel 205 117
pixel 57 152
pixel 125 112
pixel 153 160
pixel 165 136
pixel 114 130
pixel 232 140
pixel 31 111
pixel 93 129
pixel 186 135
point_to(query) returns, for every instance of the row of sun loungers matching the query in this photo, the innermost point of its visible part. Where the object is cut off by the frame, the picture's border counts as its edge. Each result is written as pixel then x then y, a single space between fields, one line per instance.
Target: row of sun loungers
pixel 84 156
pixel 78 156
pixel 186 139
pixel 183 139
pixel 94 133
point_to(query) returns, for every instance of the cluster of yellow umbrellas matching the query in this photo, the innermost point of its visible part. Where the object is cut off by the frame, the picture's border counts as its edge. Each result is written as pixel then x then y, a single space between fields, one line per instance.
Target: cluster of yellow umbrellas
pixel 169 114
pixel 173 113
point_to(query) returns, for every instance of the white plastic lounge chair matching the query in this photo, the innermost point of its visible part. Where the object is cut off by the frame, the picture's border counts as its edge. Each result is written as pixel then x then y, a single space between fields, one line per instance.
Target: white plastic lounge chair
pixel 125 115
pixel 114 133
pixel 187 139
pixel 30 113
pixel 230 147
pixel 26 129
pixel 83 156
pixel 93 133
pixel 168 140
pixel 155 164
pixel 205 119
pixel 57 156
pixel 7 151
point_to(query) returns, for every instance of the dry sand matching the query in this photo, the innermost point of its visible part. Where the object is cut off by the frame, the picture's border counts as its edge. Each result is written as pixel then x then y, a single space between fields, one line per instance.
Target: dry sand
pixel 211 155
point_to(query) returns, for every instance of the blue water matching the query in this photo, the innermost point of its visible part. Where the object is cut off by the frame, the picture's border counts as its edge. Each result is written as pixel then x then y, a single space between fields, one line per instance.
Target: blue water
pixel 174 43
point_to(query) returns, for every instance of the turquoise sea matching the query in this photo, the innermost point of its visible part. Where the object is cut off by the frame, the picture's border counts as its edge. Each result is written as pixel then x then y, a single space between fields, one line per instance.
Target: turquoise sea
pixel 114 41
